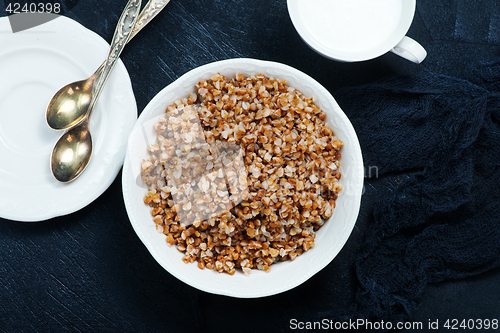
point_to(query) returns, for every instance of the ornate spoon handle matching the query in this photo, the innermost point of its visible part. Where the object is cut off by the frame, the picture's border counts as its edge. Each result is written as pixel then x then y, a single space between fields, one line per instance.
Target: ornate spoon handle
pixel 150 10
pixel 123 30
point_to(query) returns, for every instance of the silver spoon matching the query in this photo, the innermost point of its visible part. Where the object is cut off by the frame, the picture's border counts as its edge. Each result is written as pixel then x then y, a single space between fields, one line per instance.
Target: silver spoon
pixel 70 104
pixel 73 150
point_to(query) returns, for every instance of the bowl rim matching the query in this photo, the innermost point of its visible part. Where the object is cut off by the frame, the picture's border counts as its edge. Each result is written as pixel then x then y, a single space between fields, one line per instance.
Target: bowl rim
pixel 205 71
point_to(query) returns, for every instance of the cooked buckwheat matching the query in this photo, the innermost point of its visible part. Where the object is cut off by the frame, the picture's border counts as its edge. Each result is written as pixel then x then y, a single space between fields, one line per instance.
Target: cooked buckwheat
pixel 243 173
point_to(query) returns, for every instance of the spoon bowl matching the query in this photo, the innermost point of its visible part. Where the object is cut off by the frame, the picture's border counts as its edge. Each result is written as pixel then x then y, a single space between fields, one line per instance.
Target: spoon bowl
pixel 70 104
pixel 72 153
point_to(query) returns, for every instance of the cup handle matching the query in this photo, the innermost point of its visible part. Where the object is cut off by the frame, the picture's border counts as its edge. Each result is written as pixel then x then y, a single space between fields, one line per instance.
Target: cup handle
pixel 410 49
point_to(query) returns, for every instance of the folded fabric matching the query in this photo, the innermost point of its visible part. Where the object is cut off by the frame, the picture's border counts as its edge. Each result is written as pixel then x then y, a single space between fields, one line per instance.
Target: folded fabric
pixel 444 222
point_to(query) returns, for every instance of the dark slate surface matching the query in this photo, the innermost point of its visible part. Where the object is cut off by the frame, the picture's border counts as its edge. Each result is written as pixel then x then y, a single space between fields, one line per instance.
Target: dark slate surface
pixel 89 272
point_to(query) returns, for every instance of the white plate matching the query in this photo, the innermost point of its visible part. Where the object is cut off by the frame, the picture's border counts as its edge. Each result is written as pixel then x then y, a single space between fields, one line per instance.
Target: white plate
pixel 34 64
pixel 284 275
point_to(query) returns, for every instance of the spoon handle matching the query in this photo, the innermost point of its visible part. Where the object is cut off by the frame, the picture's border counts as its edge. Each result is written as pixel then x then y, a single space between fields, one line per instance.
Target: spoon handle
pixel 122 34
pixel 149 12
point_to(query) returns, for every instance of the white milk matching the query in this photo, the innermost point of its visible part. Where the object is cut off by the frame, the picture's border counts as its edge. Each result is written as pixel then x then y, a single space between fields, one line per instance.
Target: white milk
pixel 351 25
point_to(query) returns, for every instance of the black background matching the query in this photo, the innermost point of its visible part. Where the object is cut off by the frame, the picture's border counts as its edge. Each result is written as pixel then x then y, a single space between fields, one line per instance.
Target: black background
pixel 89 272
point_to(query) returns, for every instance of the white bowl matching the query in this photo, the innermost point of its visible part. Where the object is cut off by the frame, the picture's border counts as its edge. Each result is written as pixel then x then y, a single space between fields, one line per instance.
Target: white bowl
pixel 283 275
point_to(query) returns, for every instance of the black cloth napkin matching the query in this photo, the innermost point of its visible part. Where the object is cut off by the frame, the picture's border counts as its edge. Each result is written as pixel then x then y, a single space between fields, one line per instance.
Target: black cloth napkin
pixel 443 222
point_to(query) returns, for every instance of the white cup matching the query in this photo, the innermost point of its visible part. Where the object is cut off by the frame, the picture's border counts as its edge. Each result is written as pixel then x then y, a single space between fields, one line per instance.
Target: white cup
pixel 356 30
